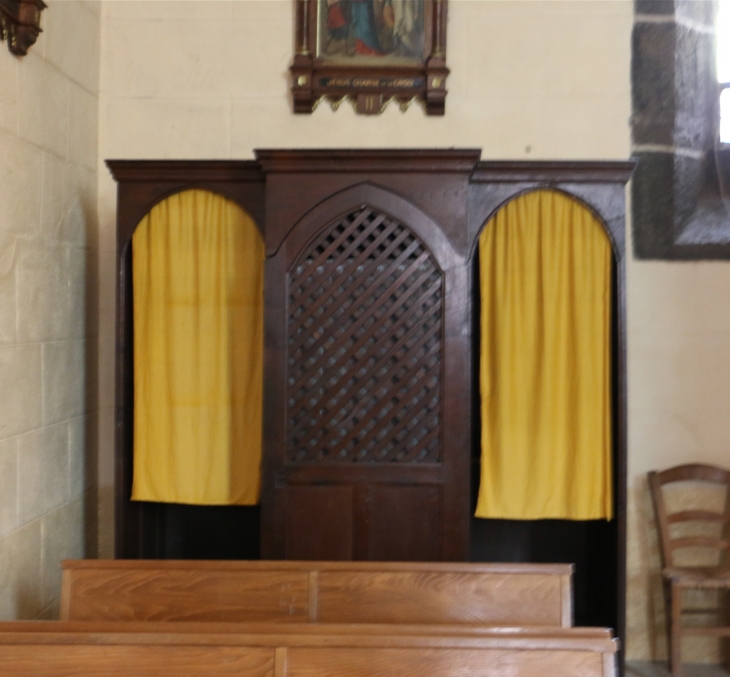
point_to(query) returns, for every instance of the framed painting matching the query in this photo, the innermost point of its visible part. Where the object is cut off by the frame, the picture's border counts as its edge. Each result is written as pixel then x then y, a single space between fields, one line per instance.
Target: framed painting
pixel 370 52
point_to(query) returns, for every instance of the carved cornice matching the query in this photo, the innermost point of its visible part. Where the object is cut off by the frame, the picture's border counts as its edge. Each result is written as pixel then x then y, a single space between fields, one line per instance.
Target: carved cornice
pixel 20 23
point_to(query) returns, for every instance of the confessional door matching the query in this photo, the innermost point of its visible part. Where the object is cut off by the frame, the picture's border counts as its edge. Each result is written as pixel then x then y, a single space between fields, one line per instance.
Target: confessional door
pixel 365 370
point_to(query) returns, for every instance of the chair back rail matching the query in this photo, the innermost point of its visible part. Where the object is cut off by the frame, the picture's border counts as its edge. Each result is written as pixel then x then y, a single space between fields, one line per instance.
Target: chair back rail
pixel 690 472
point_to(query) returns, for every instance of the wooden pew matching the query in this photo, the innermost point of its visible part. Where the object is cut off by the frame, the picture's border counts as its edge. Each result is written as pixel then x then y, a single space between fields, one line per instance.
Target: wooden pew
pixel 327 592
pixel 132 649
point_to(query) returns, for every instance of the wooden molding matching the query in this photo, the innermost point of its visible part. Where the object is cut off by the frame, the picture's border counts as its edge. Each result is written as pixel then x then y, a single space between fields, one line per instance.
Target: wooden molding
pixel 369 160
pixel 162 171
pixel 20 23
pixel 553 171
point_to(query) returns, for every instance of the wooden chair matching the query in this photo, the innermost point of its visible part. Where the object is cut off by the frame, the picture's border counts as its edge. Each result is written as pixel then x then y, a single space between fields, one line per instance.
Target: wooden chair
pixel 679 577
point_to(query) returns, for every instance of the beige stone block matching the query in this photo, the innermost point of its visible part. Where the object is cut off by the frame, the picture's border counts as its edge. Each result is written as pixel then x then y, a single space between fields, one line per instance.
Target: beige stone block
pixel 107 294
pixel 678 298
pixel 714 376
pixel 585 128
pixel 107 208
pixel 91 523
pixel 8 333
pixel 64 380
pixel 83 127
pixel 42 280
pixel 128 57
pixel 262 123
pixel 82 292
pixel 666 376
pixel 710 305
pixel 9 93
pixel 107 366
pixel 501 127
pixel 458 50
pixel 195 58
pixel 263 9
pixel 20 396
pixel 661 439
pixel 73 42
pixel 639 626
pixel 69 198
pixel 83 457
pixel 714 430
pixel 20 573
pixel 63 538
pixel 42 471
pixel 507 48
pixel 81 223
pixel 106 446
pixel 43 104
pixel 8 486
pixel 588 48
pixel 55 197
pixel 92 6
pixel 21 184
pixel 169 9
pixel 106 522
pixel 167 128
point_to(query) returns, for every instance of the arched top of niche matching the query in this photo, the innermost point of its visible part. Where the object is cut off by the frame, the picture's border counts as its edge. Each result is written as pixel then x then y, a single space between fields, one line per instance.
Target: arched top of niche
pixel 614 235
pixel 144 183
pixel 124 245
pixel 372 196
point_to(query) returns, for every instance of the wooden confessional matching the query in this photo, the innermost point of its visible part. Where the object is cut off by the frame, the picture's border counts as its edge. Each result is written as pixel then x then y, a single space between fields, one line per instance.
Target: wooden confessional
pixel 371 353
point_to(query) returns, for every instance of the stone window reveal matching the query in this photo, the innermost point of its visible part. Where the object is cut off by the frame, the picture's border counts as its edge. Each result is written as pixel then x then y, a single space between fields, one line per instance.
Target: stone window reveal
pixel 683 172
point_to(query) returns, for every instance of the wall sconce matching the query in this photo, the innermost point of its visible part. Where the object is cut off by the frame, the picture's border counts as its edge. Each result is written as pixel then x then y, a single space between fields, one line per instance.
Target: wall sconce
pixel 20 23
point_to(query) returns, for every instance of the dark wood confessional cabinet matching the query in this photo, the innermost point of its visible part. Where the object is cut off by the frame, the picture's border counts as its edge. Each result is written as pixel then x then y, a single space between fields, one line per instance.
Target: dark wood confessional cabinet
pixel 371 431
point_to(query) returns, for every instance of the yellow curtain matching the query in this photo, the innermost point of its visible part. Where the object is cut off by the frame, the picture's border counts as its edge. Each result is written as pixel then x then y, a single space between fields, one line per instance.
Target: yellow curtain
pixel 198 352
pixel 545 282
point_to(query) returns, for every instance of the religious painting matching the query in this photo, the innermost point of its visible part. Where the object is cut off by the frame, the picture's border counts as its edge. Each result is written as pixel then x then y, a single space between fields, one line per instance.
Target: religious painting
pixel 371 31
pixel 370 52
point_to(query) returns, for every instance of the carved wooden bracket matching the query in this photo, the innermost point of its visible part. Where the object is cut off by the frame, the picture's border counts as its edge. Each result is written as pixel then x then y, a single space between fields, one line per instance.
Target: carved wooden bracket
pixel 20 23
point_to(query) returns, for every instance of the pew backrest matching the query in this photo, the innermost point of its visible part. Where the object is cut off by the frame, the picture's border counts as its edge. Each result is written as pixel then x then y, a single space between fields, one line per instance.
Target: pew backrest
pixel 62 649
pixel 325 592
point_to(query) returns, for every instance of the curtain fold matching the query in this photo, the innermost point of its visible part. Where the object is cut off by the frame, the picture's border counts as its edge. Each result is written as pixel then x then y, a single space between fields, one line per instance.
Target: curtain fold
pixel 198 352
pixel 545 380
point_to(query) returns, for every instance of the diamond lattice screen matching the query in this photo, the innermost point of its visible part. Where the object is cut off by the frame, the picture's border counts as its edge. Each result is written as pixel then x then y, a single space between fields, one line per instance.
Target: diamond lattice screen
pixel 364 346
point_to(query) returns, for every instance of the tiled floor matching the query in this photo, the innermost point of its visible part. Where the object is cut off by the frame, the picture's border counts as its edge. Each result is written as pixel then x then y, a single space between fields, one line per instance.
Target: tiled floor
pixel 646 669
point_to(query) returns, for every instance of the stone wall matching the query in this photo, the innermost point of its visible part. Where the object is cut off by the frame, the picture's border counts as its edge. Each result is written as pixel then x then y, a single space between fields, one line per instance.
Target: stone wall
pixel 678 211
pixel 48 319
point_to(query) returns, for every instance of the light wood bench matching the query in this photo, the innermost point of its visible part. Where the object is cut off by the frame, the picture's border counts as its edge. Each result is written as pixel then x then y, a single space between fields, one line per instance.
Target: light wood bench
pixel 327 592
pixel 63 649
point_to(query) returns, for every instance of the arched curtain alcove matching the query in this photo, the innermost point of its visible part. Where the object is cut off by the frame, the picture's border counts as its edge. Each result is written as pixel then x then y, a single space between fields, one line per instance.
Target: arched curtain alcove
pixel 546 459
pixel 545 292
pixel 209 513
pixel 197 262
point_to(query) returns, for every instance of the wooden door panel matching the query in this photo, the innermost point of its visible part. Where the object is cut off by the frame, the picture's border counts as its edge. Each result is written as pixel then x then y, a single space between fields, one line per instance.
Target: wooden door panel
pixel 319 522
pixel 404 523
pixel 357 399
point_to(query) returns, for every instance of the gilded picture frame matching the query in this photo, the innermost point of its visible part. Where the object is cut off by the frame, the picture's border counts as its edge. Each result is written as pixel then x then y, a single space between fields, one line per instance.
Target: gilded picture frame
pixel 370 52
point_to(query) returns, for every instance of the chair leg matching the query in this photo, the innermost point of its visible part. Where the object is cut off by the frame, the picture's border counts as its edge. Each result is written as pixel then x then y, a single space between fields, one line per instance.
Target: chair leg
pixel 675 629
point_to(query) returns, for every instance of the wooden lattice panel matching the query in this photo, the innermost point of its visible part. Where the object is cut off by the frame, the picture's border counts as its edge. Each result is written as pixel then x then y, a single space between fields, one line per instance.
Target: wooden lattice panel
pixel 364 346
